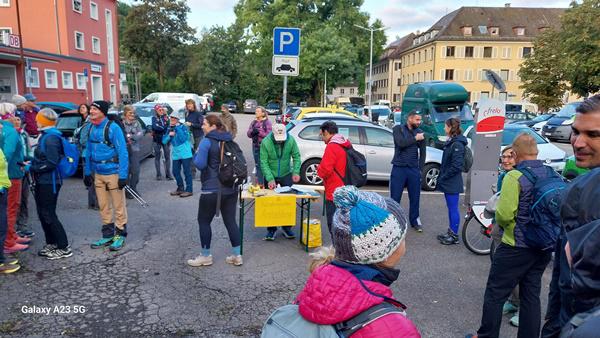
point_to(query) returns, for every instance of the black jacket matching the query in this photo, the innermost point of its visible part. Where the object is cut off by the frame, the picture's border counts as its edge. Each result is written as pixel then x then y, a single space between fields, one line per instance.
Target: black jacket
pixel 408 151
pixel 44 163
pixel 196 119
pixel 450 180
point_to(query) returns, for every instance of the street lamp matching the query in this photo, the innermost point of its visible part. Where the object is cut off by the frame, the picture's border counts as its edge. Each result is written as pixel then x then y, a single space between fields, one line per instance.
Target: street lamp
pixel 332 67
pixel 370 63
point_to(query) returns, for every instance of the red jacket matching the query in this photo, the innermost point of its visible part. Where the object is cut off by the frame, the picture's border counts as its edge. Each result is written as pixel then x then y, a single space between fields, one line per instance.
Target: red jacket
pixel 333 295
pixel 334 157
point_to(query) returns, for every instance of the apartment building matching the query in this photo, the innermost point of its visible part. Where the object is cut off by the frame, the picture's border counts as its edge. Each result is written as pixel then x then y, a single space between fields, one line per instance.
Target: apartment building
pixel 69 50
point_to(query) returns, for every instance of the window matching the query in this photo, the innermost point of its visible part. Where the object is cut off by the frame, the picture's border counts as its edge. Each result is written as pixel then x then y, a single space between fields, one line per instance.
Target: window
pixel 494 31
pixel 81 83
pixel 520 31
pixel 483 29
pixel 484 95
pixel 77 6
pixel 469 51
pixel 67 80
pixel 449 74
pixel 425 55
pixel 4 30
pixel 468 75
pixel 399 82
pixel 506 51
pixel 419 57
pixel 109 42
pixel 504 74
pixel 351 90
pixel 4 3
pixel 33 78
pixel 51 80
pixel 342 91
pixel 79 41
pixel 379 138
pixel 467 30
pixel 487 52
pixel 503 96
pixel 431 55
pixel 95 45
pixel 526 51
pixel 450 51
pixel 93 10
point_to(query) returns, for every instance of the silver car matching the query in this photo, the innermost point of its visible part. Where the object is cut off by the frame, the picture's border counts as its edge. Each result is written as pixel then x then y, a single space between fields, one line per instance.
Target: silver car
pixel 375 142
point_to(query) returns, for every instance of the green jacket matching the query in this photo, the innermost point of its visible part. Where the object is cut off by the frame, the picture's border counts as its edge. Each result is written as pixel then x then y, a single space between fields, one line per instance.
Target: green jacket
pixel 275 158
pixel 4 180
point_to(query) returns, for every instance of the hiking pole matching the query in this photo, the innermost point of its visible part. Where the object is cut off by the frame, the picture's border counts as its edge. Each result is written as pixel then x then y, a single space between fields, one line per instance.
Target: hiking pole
pixel 137 196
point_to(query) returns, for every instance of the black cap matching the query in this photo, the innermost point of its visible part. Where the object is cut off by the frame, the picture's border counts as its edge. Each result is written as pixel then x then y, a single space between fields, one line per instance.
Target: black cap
pixel 102 105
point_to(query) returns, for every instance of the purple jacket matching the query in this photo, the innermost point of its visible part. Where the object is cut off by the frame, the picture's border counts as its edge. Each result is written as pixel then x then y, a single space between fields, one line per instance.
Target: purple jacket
pixel 258 130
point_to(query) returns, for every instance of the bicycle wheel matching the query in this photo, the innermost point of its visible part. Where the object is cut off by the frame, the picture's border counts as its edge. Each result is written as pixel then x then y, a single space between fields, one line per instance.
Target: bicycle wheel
pixel 474 239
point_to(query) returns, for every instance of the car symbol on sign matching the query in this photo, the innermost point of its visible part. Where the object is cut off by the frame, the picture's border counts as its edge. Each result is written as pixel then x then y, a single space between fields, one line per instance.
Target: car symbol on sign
pixel 285 67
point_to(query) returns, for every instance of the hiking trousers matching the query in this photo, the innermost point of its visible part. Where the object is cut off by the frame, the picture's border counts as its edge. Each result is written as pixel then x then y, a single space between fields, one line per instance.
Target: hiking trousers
pixel 111 199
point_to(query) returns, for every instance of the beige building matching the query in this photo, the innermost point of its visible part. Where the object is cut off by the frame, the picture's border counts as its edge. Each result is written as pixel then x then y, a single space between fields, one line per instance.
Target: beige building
pixel 345 90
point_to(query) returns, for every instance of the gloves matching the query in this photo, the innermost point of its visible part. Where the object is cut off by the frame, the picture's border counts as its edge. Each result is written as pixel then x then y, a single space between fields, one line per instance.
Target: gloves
pixel 122 183
pixel 88 181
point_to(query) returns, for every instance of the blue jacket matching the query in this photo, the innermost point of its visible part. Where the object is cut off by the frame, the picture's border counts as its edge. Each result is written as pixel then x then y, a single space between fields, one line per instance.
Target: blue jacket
pixel 208 159
pixel 106 159
pixel 408 152
pixel 12 146
pixel 160 127
pixel 182 148
pixel 450 180
pixel 44 162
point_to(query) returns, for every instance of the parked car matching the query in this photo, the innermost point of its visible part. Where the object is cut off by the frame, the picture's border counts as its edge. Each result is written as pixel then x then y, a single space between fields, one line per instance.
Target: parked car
pixel 304 112
pixel 232 107
pixel 68 122
pixel 146 110
pixel 250 106
pixel 353 108
pixel 393 119
pixel 571 170
pixel 547 152
pixel 518 116
pixel 375 142
pixel 379 112
pixel 558 127
pixel 273 108
pixel 177 100
pixel 58 107
pixel 537 123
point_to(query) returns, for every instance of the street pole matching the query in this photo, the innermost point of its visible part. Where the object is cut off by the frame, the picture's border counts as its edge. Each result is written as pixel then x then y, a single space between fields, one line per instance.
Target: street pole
pixel 370 77
pixel 325 90
pixel 284 105
pixel 21 45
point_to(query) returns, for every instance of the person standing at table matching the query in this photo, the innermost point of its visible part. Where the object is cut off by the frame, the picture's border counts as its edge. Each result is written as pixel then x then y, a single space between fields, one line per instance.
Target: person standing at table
pixel 257 131
pixel 276 152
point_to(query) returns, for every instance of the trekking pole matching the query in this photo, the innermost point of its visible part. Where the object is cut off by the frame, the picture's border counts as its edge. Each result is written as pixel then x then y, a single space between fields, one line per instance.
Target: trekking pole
pixel 137 197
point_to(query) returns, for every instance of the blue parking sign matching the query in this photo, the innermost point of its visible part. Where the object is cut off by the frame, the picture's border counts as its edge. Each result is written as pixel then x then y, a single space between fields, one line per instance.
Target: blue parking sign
pixel 286 41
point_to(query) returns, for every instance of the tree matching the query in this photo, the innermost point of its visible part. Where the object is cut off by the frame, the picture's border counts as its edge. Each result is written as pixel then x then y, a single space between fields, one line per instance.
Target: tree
pixel 154 31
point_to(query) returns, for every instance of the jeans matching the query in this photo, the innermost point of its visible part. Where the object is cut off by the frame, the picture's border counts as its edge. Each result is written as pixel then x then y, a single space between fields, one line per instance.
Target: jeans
pixel 330 211
pixel 453 212
pixel 23 216
pixel 410 178
pixel 166 149
pixel 186 165
pixel 285 181
pixel 259 174
pixel 3 222
pixel 134 169
pixel 514 266
pixel 45 201
pixel 206 212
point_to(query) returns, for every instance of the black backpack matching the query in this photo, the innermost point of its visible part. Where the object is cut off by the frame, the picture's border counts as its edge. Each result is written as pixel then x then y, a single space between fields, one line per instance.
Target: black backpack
pixel 468 159
pixel 233 169
pixel 356 168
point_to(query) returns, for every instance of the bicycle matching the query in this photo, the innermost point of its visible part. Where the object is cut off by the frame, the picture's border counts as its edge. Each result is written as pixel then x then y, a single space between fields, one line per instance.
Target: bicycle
pixel 477 234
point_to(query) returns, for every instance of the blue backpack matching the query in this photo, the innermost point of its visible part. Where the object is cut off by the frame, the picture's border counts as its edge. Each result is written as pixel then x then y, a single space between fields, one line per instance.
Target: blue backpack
pixel 69 161
pixel 544 227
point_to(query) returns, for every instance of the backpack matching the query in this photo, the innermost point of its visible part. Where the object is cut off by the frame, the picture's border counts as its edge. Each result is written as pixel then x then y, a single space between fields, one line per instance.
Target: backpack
pixel 468 159
pixel 356 168
pixel 106 131
pixel 232 169
pixel 286 321
pixel 69 161
pixel 545 224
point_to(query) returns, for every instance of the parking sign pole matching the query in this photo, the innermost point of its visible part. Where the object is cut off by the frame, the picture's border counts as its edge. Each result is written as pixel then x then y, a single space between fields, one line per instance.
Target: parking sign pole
pixel 284 105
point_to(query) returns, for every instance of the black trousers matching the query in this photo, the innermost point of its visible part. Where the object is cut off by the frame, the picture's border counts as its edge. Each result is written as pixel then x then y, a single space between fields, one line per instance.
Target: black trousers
pixel 329 211
pixel 206 212
pixel 45 201
pixel 514 266
pixel 23 215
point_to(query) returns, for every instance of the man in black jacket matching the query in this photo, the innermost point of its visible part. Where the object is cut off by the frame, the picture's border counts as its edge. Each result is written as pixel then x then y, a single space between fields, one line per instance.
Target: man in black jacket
pixel 194 120
pixel 409 158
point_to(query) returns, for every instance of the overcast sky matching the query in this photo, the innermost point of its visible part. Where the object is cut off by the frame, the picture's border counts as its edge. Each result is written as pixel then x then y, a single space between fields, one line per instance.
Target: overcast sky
pixel 400 16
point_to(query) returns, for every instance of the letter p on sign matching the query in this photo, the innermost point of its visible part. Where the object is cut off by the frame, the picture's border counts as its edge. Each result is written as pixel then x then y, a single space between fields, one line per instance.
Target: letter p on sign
pixel 286 41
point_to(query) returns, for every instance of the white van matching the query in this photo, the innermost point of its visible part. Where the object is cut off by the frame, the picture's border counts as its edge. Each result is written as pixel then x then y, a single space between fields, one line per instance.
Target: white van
pixel 177 100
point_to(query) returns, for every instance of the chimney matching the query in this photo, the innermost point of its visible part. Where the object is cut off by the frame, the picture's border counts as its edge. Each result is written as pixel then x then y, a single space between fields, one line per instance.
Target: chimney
pixel 418 33
pixel 507 4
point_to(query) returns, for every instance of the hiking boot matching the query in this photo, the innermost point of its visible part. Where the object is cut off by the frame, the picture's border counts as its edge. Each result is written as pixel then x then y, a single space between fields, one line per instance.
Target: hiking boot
pixel 25 233
pixel 59 253
pixel 101 242
pixel 451 239
pixel 288 233
pixel 118 243
pixel 234 260
pixel 6 268
pixel 440 237
pixel 15 248
pixel 128 195
pixel 200 261
pixel 514 320
pixel 270 236
pixel 418 228
pixel 23 240
pixel 186 194
pixel 176 193
pixel 509 307
pixel 46 249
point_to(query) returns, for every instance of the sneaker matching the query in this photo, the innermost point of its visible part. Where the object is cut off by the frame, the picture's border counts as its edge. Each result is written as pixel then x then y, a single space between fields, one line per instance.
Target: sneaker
pixel 234 260
pixel 118 243
pixel 509 307
pixel 186 194
pixel 23 240
pixel 176 193
pixel 200 261
pixel 15 248
pixel 6 268
pixel 59 253
pixel 470 335
pixel 514 320
pixel 26 233
pixel 102 242
pixel 288 233
pixel 46 249
pixel 444 235
pixel 11 261
pixel 418 228
pixel 169 178
pixel 450 240
pixel 270 236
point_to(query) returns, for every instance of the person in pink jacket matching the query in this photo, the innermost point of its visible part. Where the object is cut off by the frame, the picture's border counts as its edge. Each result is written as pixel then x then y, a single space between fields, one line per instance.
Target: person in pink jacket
pixel 368 242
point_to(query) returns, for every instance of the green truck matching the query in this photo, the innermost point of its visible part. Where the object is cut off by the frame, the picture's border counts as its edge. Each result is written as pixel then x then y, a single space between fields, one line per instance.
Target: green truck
pixel 436 101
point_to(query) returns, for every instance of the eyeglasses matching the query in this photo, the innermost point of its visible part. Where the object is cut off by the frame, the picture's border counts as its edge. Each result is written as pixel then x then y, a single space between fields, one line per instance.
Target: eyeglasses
pixel 506 157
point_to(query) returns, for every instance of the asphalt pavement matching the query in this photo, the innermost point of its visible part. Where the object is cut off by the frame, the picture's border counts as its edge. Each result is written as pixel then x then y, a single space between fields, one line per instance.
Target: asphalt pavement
pixel 148 290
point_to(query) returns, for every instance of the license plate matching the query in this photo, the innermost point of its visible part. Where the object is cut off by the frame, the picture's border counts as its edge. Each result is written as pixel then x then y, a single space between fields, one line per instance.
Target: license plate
pixel 548 134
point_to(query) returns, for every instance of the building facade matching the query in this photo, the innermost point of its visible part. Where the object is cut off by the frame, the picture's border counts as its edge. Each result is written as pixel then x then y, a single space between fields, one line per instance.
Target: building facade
pixel 344 90
pixel 69 50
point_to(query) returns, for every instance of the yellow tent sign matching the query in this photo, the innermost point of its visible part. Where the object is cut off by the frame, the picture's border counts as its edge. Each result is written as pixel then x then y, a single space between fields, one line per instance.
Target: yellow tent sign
pixel 278 210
